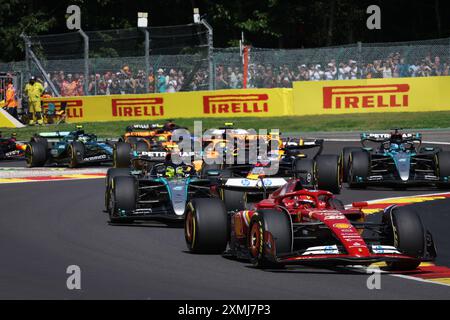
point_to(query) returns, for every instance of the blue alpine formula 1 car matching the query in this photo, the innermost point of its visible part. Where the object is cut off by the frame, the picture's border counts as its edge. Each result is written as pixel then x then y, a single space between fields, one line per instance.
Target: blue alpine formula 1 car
pixel 72 148
pixel 398 159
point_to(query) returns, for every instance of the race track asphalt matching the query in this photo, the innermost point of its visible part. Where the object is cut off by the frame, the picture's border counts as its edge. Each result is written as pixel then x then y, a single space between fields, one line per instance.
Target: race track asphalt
pixel 47 226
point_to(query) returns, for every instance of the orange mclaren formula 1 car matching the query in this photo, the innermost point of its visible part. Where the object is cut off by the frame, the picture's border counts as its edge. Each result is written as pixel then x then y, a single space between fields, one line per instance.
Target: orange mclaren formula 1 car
pixel 140 138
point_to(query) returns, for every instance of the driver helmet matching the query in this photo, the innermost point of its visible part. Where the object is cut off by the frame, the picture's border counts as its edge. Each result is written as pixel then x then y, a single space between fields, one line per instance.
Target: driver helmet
pixel 183 171
pixel 83 138
pixel 394 146
pixel 161 138
pixel 170 172
pixel 306 200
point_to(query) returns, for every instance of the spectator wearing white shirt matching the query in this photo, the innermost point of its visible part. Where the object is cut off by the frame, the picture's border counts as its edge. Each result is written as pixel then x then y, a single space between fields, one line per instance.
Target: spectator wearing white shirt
pixel 330 72
pixel 316 74
pixel 387 70
pixel 353 70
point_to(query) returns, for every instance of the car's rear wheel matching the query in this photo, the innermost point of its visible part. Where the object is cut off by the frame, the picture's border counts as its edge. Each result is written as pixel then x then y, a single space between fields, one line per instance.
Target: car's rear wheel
pixel 329 173
pixel 345 156
pixel 305 170
pixel 39 140
pixel 407 234
pixel 36 154
pixel 279 226
pixel 359 168
pixel 76 153
pixel 443 169
pixel 123 198
pixel 122 155
pixel 206 226
pixel 233 200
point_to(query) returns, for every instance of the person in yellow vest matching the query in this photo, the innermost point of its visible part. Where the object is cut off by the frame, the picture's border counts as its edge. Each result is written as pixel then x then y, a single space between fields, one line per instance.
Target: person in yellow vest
pixel 11 101
pixel 34 90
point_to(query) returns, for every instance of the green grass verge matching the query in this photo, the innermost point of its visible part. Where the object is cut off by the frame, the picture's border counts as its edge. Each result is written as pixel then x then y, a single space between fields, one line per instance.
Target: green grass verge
pixel 353 122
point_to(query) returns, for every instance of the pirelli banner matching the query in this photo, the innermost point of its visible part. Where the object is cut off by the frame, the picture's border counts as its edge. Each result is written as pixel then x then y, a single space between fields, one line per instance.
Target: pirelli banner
pixel 371 95
pixel 199 104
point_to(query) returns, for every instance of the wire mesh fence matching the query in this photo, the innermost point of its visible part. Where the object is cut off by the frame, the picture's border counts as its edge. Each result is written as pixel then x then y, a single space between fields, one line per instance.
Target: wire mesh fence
pixel 178 61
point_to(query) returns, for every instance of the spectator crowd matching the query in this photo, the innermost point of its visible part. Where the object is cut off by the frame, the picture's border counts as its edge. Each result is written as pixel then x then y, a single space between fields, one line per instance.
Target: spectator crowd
pixel 127 81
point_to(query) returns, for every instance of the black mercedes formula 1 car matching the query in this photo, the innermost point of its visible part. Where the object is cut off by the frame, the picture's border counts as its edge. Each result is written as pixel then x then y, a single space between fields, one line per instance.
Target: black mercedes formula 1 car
pixel 153 189
pixel 397 160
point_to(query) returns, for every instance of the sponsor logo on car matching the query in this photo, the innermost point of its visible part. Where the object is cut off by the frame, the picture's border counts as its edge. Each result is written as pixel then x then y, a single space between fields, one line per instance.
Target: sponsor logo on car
pixel 370 96
pixel 12 153
pixel 236 103
pixel 342 226
pixel 138 107
pixel 334 217
pixel 153 154
pixel 93 158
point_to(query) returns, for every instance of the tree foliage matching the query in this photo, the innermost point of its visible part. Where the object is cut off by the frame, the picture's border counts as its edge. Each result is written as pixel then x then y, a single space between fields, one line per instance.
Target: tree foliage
pixel 265 23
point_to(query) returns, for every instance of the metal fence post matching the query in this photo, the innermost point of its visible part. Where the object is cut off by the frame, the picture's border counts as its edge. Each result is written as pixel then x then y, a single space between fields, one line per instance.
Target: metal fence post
pixel 210 53
pixel 27 55
pixel 448 57
pixel 360 60
pixel 147 59
pixel 86 61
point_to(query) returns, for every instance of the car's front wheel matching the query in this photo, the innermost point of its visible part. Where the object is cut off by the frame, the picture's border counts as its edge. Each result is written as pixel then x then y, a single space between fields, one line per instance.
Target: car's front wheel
pixel 407 234
pixel 263 223
pixel 76 153
pixel 110 175
pixel 123 198
pixel 206 226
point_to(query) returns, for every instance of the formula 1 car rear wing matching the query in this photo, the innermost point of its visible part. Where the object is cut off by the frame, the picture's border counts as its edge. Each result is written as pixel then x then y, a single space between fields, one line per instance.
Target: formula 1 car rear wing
pixel 55 136
pixel 144 126
pixel 262 185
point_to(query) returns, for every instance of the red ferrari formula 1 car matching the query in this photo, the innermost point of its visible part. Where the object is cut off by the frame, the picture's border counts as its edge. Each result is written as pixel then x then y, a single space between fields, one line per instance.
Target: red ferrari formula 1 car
pixel 295 226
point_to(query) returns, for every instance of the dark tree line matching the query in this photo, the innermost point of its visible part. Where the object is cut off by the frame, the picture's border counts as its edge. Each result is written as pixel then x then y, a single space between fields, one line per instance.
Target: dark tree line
pixel 266 23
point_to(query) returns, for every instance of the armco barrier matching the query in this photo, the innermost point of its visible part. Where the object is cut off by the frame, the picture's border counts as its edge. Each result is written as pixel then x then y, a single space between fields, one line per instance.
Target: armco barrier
pixel 200 104
pixel 371 95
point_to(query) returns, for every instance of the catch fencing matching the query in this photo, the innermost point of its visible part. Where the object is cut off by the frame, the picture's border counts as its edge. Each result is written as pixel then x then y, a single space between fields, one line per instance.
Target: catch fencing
pixel 116 61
